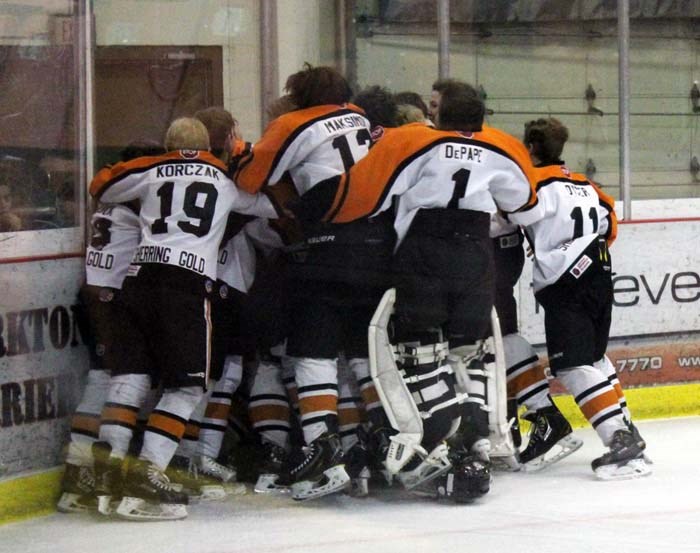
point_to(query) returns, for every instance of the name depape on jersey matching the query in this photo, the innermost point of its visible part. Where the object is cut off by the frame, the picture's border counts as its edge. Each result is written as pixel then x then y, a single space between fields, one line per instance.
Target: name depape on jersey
pixel 185 199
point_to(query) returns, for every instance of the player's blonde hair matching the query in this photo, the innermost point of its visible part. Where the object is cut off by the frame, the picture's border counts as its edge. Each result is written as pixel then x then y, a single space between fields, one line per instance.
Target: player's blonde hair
pixel 187 133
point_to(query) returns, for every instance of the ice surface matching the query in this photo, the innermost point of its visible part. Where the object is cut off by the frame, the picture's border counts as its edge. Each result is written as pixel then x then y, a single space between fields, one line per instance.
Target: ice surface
pixel 563 509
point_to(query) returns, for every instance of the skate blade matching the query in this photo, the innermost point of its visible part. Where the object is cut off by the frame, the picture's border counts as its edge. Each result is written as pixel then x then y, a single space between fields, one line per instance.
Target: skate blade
pixel 563 448
pixel 73 503
pixel 105 505
pixel 235 488
pixel 508 463
pixel 211 492
pixel 267 484
pixel 336 479
pixel 134 508
pixel 636 468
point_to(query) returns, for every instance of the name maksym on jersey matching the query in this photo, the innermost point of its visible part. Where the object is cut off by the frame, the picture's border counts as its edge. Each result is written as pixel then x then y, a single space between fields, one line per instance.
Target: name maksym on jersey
pixel 571 212
pixel 115 236
pixel 416 167
pixel 309 144
pixel 185 199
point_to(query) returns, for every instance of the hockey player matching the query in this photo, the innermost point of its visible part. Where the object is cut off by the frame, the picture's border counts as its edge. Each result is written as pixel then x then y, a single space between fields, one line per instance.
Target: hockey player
pixel 185 199
pixel 570 229
pixel 322 138
pixel 115 236
pixel 440 187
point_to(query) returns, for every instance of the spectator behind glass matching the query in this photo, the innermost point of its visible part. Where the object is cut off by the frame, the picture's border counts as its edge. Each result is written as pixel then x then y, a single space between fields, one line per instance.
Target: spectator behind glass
pixel 10 200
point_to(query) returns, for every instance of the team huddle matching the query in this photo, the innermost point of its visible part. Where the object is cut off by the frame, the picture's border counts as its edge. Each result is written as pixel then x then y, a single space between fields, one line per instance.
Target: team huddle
pixel 332 308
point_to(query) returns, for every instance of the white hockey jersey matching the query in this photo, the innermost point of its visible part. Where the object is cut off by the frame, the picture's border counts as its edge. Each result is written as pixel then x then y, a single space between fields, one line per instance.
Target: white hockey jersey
pixel 310 145
pixel 416 167
pixel 185 199
pixel 571 212
pixel 115 236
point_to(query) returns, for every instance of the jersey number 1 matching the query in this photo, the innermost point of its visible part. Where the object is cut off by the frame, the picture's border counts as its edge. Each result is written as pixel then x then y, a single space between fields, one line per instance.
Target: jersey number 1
pixel 577 216
pixel 341 144
pixel 461 179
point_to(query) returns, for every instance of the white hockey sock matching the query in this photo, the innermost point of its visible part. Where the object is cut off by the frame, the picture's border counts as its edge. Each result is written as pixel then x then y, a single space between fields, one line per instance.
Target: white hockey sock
pixel 166 425
pixel 525 375
pixel 124 399
pixel 596 398
pixel 214 420
pixel 608 369
pixel 85 423
pixel 317 387
pixel 269 408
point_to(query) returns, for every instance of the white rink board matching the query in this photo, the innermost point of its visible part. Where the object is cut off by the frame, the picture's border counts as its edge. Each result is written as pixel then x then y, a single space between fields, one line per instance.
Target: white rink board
pixel 42 360
pixel 656 276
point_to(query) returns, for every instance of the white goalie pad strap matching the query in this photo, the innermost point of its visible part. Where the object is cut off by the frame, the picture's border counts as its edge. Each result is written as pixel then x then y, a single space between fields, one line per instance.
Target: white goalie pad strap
pixel 396 399
pixel 499 426
pixel 422 355
pixel 432 374
pixel 459 358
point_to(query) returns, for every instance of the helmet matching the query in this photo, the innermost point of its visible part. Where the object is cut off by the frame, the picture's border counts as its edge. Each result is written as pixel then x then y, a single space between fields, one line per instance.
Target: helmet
pixel 468 479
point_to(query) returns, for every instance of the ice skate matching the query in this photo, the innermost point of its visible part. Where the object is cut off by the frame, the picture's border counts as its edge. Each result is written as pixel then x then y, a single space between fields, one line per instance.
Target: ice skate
pixel 356 461
pixel 625 460
pixel 77 490
pixel 273 478
pixel 184 476
pixel 209 468
pixel 551 439
pixel 148 495
pixel 321 471
pixel 108 478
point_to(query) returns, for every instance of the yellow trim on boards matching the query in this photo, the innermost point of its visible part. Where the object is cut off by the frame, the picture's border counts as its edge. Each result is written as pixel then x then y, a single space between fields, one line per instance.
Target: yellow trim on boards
pixel 35 495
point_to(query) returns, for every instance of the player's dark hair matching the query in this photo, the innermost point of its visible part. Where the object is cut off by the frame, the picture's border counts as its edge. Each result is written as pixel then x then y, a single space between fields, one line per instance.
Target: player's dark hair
pixel 461 108
pixel 379 105
pixel 412 99
pixel 317 86
pixel 139 148
pixel 441 84
pixel 546 138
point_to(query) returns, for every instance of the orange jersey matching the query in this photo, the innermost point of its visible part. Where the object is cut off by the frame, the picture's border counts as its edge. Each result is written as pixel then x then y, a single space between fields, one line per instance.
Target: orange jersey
pixel 307 145
pixel 416 167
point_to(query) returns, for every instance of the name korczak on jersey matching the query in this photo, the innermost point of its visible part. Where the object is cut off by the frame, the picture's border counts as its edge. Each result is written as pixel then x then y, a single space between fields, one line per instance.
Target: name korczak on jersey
pixel 185 199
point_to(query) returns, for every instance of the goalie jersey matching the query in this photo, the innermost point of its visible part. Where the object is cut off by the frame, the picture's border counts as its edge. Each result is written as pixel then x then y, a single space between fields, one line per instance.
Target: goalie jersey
pixel 571 212
pixel 418 167
pixel 185 199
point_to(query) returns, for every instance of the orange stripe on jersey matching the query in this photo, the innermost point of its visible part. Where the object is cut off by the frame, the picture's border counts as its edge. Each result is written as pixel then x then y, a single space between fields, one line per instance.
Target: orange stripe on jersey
pixel 263 413
pixel 85 423
pixel 124 415
pixel 108 175
pixel 255 169
pixel 217 411
pixel 369 395
pixel 609 202
pixel 166 425
pixel 526 379
pixel 349 415
pixel 240 147
pixel 191 431
pixel 311 404
pixel 599 403
pixel 362 190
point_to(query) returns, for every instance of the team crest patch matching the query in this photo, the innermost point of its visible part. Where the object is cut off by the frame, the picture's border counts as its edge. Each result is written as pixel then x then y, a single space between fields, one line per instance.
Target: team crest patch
pixel 189 154
pixel 581 266
pixel 208 286
pixel 133 270
pixel 223 291
pixel 377 133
